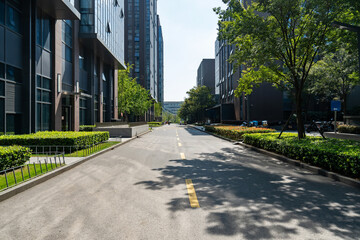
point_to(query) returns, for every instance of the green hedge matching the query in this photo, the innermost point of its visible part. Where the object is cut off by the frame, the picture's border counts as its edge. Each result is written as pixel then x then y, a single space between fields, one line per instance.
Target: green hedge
pixel 13 156
pixel 76 139
pixel 349 129
pixel 154 124
pixel 236 134
pixel 87 128
pixel 340 156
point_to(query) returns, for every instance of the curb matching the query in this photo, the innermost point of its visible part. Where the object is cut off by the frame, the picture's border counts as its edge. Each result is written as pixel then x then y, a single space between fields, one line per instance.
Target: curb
pixel 297 163
pixel 37 180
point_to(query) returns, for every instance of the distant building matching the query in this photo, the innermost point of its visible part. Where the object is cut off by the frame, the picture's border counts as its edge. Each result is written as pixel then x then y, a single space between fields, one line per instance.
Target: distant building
pixel 160 63
pixel 142 29
pixel 206 74
pixel 172 107
pixel 58 63
pixel 265 103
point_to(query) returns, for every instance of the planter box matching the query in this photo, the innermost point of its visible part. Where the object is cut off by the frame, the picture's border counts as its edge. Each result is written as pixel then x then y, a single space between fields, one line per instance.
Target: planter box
pixel 346 136
pixel 123 130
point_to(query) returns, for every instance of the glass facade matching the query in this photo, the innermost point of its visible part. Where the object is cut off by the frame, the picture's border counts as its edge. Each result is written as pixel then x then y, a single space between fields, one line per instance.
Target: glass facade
pixel 44 72
pixel 101 17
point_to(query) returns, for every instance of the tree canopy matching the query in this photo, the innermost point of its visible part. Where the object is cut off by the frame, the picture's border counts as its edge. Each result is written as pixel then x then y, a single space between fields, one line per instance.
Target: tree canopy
pixel 336 75
pixel 132 97
pixel 194 106
pixel 278 41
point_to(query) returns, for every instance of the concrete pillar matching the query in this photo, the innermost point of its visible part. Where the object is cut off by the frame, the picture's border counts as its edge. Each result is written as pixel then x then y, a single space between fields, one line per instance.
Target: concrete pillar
pixel 116 113
pixel 57 108
pixel 76 74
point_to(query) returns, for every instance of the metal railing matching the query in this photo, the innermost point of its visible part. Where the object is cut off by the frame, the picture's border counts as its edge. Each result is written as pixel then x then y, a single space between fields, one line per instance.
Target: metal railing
pixel 39 167
pixel 78 151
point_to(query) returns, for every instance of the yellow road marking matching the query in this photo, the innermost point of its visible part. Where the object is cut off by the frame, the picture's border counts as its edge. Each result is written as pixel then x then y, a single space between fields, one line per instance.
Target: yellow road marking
pixel 179 144
pixel 194 203
pixel 178 139
pixel 182 155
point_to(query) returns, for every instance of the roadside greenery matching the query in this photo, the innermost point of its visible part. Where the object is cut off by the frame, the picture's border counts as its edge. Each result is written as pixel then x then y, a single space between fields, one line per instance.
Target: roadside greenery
pixel 349 129
pixel 39 171
pixel 194 106
pixel 132 97
pixel 336 75
pixel 278 41
pixel 75 139
pixel 169 117
pixel 340 156
pixel 92 150
pixel 13 156
pixel 87 128
pixel 155 124
pixel 236 132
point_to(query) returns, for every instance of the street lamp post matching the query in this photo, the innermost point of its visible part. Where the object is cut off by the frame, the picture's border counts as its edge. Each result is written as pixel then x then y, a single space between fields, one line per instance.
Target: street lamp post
pixel 351 28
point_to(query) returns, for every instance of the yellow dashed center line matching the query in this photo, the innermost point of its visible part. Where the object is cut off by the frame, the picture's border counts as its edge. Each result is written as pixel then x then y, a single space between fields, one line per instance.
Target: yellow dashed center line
pixel 178 139
pixel 194 203
pixel 179 144
pixel 182 155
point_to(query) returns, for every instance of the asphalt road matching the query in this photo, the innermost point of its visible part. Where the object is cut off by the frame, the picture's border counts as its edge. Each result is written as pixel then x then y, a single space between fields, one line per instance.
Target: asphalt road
pixel 141 190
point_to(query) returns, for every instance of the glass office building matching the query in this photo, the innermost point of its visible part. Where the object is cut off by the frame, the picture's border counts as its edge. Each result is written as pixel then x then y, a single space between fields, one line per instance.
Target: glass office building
pixel 52 76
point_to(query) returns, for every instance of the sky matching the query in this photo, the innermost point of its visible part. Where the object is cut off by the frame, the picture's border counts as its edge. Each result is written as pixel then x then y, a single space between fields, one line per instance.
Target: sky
pixel 189 30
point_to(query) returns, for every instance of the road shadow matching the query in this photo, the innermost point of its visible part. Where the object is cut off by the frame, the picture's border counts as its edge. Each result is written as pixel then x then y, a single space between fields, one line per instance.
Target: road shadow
pixel 195 132
pixel 246 194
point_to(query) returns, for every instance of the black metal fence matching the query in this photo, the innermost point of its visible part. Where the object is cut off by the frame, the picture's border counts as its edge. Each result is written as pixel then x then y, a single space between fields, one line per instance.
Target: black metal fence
pixel 16 175
pixel 75 151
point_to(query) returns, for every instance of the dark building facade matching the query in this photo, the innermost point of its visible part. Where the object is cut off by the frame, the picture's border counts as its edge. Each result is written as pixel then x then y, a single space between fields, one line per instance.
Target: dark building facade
pixel 57 72
pixel 206 74
pixel 265 103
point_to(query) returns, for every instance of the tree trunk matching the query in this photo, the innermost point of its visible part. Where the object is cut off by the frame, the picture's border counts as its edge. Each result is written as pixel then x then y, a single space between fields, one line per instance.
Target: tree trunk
pixel 344 104
pixel 299 118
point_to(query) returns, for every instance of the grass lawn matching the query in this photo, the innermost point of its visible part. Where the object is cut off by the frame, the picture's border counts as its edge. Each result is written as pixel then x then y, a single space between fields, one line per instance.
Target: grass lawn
pixel 39 170
pixel 86 152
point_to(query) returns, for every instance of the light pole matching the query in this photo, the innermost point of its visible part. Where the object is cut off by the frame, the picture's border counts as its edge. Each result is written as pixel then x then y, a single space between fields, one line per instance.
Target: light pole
pixel 351 28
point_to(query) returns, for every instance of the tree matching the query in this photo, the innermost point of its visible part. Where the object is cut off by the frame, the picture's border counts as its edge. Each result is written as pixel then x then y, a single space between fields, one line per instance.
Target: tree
pixel 157 109
pixel 193 108
pixel 277 41
pixel 336 75
pixel 132 98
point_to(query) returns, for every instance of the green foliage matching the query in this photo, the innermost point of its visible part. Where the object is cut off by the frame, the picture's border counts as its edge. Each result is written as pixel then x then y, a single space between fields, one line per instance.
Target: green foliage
pixel 13 156
pixel 158 109
pixel 336 75
pixel 340 156
pixel 277 41
pixel 87 128
pixel 236 134
pixel 75 139
pixel 349 129
pixel 155 124
pixel 132 97
pixel 194 106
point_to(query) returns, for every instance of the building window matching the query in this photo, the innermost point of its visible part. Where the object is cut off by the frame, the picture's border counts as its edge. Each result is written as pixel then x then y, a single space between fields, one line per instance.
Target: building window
pixel 43 106
pixel 2 13
pixel 2 70
pixel 13 19
pixel 2 88
pixel 83 110
pixel 67 36
pixel 13 74
pixel 2 117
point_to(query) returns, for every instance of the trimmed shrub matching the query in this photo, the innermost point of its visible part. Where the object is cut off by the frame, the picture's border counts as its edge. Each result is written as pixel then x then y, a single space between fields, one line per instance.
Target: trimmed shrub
pixel 235 132
pixel 349 129
pixel 87 128
pixel 75 139
pixel 154 124
pixel 13 156
pixel 337 155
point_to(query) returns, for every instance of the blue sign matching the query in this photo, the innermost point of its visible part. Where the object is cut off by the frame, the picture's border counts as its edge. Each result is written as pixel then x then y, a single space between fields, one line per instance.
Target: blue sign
pixel 336 106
